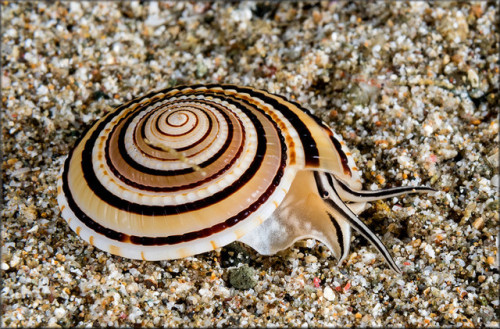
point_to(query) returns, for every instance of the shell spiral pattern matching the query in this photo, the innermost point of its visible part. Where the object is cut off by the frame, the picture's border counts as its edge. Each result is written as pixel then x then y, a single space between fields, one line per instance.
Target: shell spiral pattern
pixel 180 165
pixel 189 169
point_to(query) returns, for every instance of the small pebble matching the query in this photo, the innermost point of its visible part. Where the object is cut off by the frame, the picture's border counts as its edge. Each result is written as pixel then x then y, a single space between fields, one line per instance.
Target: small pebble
pixel 311 259
pixel 242 277
pixel 150 283
pixel 329 294
pixel 490 260
pixel 478 223
pixel 14 261
pixel 60 312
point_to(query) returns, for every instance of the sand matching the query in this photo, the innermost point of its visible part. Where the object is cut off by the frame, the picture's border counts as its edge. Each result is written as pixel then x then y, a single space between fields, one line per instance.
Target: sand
pixel 412 87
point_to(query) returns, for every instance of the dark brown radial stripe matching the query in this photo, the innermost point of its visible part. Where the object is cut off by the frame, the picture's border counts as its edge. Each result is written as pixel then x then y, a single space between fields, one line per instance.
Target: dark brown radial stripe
pixel 115 201
pixel 179 172
pixel 198 142
pixel 150 171
pixel 173 111
pixel 141 125
pixel 308 143
pixel 143 136
pixel 157 126
pixel 343 157
pixel 179 187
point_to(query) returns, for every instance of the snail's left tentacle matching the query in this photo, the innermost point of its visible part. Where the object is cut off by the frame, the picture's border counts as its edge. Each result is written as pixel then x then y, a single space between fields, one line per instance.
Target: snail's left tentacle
pixel 339 209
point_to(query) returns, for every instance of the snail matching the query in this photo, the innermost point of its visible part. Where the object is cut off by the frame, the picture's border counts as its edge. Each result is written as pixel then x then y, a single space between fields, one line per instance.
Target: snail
pixel 189 169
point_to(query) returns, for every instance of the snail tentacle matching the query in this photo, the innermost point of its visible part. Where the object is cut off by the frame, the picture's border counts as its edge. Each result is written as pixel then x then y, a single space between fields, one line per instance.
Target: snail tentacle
pixel 349 194
pixel 340 210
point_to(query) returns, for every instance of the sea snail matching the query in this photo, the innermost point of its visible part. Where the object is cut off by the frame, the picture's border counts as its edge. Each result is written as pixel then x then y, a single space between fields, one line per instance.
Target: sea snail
pixel 189 169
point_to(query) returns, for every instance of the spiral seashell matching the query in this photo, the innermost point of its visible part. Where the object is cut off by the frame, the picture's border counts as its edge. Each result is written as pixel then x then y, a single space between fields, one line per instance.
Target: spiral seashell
pixel 189 169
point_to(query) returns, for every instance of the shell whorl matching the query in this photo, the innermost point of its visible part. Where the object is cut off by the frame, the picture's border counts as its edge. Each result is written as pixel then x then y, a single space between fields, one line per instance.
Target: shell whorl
pixel 184 170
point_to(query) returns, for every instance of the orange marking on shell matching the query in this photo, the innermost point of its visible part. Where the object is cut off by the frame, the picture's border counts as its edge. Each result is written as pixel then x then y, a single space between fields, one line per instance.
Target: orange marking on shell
pixel 183 253
pixel 91 240
pixel 284 190
pixel 115 250
pixel 142 255
pixel 355 168
pixel 63 207
pixel 214 245
pixel 275 204
pixel 78 230
pixel 59 189
pixel 348 153
pixel 239 234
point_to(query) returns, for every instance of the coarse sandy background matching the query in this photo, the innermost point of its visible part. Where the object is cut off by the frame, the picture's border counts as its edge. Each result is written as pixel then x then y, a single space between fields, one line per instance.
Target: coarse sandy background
pixel 411 87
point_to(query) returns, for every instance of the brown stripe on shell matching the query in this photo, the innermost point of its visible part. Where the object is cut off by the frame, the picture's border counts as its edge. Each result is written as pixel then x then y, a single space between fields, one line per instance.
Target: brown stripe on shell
pixel 192 235
pixel 124 167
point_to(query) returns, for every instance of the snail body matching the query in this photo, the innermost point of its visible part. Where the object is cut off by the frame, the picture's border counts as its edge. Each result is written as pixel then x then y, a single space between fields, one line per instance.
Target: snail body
pixel 189 169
